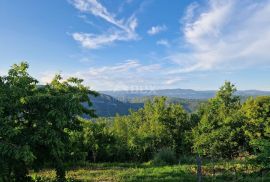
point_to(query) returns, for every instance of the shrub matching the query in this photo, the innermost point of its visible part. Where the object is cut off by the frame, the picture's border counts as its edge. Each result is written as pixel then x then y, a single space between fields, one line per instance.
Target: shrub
pixel 47 179
pixel 165 156
pixel 187 159
pixel 41 179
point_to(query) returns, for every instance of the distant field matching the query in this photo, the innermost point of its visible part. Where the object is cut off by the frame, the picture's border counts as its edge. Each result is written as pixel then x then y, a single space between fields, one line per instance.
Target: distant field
pixel 124 172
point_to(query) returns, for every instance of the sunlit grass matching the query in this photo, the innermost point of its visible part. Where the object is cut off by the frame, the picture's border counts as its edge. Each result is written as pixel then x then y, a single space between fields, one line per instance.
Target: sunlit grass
pixel 127 172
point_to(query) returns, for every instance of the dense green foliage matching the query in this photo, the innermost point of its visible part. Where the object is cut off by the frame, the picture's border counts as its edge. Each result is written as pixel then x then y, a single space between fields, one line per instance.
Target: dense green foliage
pixel 41 126
pixel 219 133
pixel 35 122
pixel 156 126
pixel 222 128
pixel 138 136
pixel 165 156
pixel 257 128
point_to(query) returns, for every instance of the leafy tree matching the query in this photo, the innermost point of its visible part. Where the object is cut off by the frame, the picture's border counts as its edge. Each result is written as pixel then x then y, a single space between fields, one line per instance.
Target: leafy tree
pixel 98 140
pixel 257 128
pixel 122 128
pixel 158 125
pixel 141 133
pixel 35 121
pixel 219 133
pixel 15 149
pixel 178 124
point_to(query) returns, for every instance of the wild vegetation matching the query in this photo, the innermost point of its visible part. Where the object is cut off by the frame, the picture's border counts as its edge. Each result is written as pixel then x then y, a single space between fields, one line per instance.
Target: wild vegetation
pixel 42 131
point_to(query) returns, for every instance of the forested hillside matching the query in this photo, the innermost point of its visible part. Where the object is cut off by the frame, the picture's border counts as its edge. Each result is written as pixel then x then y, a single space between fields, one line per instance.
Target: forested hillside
pixel 120 102
pixel 107 106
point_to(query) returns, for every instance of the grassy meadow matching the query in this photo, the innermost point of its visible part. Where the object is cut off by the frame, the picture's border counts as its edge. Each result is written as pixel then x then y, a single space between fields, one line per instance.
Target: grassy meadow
pixel 131 172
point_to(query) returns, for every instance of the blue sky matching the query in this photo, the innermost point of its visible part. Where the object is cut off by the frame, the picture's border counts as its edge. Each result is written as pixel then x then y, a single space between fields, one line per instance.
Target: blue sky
pixel 140 44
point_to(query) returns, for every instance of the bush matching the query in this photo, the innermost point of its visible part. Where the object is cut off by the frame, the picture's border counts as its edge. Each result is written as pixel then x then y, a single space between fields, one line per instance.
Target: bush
pixel 165 156
pixel 45 179
pixel 187 159
pixel 41 179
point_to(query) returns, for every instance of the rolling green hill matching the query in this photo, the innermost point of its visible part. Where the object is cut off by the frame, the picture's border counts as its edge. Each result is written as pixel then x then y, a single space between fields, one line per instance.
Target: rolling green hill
pixel 109 103
pixel 108 106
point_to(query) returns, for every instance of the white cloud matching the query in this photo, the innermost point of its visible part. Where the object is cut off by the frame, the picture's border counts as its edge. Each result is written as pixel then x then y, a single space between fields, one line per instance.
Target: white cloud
pixel 128 75
pixel 149 68
pixel 173 80
pixel 208 25
pixel 228 35
pixel 46 77
pixel 157 29
pixel 119 68
pixel 92 41
pixel 163 42
pixel 2 73
pixel 95 8
pixel 225 35
pixel 123 30
pixel 190 12
pixel 86 60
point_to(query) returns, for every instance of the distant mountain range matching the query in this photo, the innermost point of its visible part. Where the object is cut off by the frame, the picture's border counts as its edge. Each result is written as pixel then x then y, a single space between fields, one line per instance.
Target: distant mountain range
pixel 178 93
pixel 111 102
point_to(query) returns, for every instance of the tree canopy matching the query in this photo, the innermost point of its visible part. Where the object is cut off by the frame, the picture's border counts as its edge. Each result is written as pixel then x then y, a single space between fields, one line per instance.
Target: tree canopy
pixel 35 121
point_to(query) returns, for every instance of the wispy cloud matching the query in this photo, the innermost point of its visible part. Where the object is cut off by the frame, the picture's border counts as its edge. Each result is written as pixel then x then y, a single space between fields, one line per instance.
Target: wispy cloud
pixel 163 42
pixel 227 35
pixel 149 68
pixel 127 75
pixel 119 68
pixel 190 12
pixel 2 72
pixel 122 30
pixel 171 81
pixel 157 29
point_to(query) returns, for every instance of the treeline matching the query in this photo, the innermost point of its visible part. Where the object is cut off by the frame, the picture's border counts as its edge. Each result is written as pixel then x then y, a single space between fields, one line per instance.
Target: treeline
pixel 138 136
pixel 224 128
pixel 41 126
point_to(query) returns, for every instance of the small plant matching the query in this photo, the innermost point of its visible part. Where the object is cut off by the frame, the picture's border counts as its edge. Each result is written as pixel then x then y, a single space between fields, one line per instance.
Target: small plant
pixel 41 179
pixel 45 179
pixel 165 156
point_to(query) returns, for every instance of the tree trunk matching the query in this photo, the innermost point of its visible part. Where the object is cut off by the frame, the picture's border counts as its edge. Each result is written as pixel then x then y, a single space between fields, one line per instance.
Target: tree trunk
pixel 199 168
pixel 94 156
pixel 60 171
pixel 213 169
